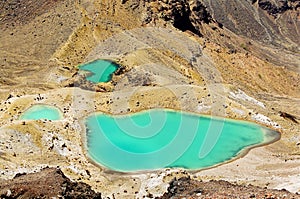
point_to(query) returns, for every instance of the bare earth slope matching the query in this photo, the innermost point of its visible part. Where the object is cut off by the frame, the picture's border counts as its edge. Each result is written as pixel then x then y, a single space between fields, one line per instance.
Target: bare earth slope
pixel 237 58
pixel 219 189
pixel 51 182
pixel 48 183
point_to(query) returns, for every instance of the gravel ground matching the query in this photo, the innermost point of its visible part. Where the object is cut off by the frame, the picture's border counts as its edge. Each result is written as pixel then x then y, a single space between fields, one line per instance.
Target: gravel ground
pixel 52 183
pixel 48 183
pixel 188 188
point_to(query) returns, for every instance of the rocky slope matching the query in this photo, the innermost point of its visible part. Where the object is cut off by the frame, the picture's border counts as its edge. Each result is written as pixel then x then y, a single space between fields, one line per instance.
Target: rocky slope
pixel 48 183
pixel 220 189
pixel 273 23
pixel 235 58
pixel 51 182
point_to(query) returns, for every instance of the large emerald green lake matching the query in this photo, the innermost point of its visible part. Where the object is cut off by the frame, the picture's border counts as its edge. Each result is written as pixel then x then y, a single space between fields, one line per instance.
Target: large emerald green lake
pixel 99 70
pixel 163 138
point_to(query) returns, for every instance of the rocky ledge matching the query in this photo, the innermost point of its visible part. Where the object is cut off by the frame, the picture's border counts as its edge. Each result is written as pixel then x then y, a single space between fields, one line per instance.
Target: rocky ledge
pixel 277 7
pixel 184 15
pixel 220 189
pixel 48 183
pixel 52 183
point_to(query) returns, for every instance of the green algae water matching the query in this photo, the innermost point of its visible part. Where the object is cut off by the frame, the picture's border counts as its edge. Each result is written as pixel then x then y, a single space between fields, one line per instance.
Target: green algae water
pixel 41 111
pixel 161 138
pixel 99 70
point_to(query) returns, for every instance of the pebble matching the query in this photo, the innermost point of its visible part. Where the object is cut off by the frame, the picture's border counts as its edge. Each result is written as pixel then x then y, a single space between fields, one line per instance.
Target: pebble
pixel 8 193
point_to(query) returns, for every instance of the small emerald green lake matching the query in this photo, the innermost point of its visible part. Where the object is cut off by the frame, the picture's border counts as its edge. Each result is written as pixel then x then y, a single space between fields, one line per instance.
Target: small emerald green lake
pixel 99 70
pixel 163 138
pixel 41 111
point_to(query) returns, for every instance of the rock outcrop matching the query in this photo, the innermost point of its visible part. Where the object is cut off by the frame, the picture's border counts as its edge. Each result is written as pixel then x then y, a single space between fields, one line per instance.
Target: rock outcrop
pixel 269 21
pixel 52 183
pixel 182 14
pixel 278 7
pixel 48 183
pixel 184 186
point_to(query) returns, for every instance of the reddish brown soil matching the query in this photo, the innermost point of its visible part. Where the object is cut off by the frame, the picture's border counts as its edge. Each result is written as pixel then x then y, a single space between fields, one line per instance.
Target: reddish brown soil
pixel 188 188
pixel 50 182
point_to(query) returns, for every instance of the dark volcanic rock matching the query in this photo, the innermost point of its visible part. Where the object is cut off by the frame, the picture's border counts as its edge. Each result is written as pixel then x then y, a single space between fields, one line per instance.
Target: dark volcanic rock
pixel 48 183
pixel 271 21
pixel 182 14
pixel 280 6
pixel 188 188
pixel 200 13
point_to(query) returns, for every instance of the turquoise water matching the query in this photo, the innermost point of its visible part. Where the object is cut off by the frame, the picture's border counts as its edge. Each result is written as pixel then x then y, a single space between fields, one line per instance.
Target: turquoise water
pixel 100 70
pixel 41 111
pixel 162 138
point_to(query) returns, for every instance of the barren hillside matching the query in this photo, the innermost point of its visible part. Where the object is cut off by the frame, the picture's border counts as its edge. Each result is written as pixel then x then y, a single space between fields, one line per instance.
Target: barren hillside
pixel 237 59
